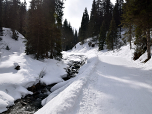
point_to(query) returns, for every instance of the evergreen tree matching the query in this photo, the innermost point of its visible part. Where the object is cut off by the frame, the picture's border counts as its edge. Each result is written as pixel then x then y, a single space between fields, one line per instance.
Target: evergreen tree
pixel 34 33
pixel 92 22
pixel 127 23
pixel 22 17
pixel 75 37
pixel 14 18
pixel 5 16
pixel 99 16
pixel 1 31
pixel 140 42
pixel 108 8
pixel 102 36
pixel 112 37
pixel 64 34
pixel 58 26
pixel 44 34
pixel 119 4
pixel 116 14
pixel 84 26
pixel 138 13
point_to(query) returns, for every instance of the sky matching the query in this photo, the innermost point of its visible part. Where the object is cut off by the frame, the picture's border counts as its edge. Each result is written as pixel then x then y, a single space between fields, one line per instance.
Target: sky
pixel 74 9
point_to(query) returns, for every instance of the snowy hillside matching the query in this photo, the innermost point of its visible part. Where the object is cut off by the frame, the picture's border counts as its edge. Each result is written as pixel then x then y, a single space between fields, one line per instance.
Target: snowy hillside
pixel 13 83
pixel 109 83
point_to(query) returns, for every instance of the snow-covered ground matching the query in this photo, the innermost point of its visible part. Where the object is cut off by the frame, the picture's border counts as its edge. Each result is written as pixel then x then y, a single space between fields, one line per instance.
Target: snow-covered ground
pixel 13 83
pixel 109 83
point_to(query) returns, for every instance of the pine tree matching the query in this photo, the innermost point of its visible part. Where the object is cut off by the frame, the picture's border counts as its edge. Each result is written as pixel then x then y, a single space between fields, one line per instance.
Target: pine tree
pixel 44 29
pixel 68 36
pixel 140 42
pixel 102 36
pixel 99 16
pixel 5 13
pixel 138 13
pixel 119 4
pixel 22 17
pixel 75 37
pixel 127 23
pixel 14 18
pixel 64 34
pixel 34 30
pixel 112 37
pixel 107 6
pixel 1 31
pixel 92 22
pixel 58 26
pixel 84 26
pixel 116 14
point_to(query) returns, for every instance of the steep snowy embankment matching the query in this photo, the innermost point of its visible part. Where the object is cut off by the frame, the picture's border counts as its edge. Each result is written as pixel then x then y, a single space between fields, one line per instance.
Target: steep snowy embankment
pixel 110 83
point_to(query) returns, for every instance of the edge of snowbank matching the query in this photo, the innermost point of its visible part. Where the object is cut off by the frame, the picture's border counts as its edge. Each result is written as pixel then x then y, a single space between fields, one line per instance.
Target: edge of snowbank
pixel 66 96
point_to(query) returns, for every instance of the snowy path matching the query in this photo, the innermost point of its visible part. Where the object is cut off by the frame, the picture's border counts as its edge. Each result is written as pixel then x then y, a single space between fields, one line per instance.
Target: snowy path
pixel 107 84
pixel 116 87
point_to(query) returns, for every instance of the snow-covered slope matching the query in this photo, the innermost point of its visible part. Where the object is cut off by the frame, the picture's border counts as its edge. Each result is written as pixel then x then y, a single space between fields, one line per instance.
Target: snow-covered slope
pixel 13 83
pixel 109 83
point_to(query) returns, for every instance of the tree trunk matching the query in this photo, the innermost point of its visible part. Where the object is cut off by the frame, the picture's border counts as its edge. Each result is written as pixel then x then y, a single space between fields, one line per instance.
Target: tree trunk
pixel 148 44
pixel 130 37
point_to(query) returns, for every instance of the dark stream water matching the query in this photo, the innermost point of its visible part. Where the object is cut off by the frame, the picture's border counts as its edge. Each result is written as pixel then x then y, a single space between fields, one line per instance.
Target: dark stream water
pixel 31 103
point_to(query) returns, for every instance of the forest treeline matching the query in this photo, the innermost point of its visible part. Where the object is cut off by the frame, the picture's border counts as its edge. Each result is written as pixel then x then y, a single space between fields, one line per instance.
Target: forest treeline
pixel 47 34
pixel 41 25
pixel 106 22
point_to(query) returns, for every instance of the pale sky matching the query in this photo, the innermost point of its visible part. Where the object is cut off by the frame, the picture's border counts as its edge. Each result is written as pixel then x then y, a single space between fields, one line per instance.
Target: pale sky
pixel 74 9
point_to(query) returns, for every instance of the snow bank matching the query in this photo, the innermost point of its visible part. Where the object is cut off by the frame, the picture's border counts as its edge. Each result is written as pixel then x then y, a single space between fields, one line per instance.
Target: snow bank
pixel 66 99
pixel 13 83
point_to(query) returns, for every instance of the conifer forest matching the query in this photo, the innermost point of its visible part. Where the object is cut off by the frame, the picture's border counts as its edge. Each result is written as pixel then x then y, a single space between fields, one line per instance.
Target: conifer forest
pixel 47 34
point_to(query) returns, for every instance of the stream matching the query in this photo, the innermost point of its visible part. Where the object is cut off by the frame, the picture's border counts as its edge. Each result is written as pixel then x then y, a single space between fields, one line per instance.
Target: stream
pixel 32 103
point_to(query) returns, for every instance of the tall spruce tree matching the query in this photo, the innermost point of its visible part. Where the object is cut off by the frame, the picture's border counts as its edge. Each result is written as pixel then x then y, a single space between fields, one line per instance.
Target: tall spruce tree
pixel 64 34
pixel 1 31
pixel 75 37
pixel 112 37
pixel 117 14
pixel 5 13
pixel 140 42
pixel 14 17
pixel 102 36
pixel 58 27
pixel 99 16
pixel 84 26
pixel 92 22
pixel 127 23
pixel 44 34
pixel 138 13
pixel 22 17
pixel 108 8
